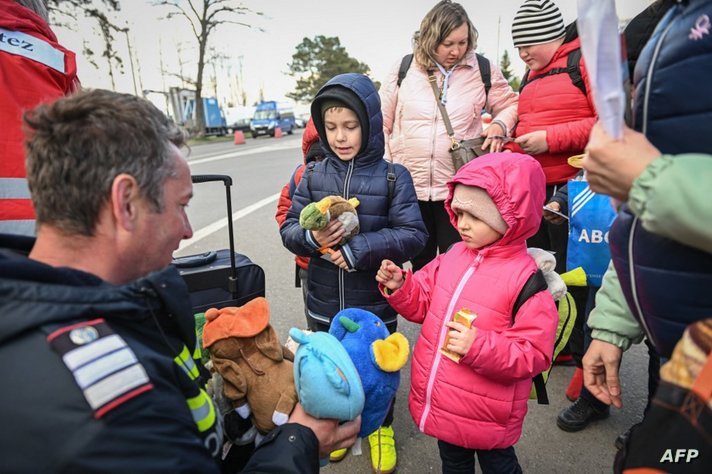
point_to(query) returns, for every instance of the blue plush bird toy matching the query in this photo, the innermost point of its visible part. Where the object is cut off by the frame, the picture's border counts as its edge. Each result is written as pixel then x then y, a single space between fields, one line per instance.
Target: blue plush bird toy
pixel 327 383
pixel 378 358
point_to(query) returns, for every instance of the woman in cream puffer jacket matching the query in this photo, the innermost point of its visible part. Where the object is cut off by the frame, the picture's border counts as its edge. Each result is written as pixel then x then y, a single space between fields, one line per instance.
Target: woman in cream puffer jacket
pixel 415 132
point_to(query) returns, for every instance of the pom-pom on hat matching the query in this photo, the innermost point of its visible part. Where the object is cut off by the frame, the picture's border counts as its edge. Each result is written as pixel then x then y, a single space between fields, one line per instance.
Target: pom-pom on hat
pixel 477 202
pixel 537 22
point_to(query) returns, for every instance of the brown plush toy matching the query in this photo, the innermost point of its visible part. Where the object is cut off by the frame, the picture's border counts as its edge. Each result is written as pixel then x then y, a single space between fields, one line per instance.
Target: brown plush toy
pixel 317 215
pixel 257 370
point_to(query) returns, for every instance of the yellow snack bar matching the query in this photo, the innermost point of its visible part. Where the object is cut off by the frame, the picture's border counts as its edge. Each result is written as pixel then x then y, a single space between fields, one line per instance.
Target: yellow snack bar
pixel 465 317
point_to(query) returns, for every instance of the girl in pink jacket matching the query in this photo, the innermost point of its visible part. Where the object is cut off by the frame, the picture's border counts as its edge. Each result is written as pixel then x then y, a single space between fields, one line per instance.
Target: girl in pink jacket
pixel 477 405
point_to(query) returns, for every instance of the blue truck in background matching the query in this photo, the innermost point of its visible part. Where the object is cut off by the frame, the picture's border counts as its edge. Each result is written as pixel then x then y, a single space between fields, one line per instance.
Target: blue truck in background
pixel 270 115
pixel 215 123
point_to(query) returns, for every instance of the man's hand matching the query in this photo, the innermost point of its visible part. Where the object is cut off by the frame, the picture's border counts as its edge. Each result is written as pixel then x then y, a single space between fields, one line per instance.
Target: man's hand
pixel 612 165
pixel 460 338
pixel 330 433
pixel 600 372
pixel 533 143
pixel 390 275
pixel 330 235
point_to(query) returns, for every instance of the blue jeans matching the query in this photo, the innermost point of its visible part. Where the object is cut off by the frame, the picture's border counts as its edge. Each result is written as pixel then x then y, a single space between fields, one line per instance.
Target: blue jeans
pixel 459 460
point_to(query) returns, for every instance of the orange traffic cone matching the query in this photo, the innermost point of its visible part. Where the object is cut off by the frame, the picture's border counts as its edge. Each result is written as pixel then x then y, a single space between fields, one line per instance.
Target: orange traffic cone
pixel 239 137
pixel 277 132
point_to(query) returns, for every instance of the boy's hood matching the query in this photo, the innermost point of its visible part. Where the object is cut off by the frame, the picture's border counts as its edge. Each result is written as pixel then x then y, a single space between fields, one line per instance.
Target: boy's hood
pixel 516 184
pixel 372 146
pixel 310 137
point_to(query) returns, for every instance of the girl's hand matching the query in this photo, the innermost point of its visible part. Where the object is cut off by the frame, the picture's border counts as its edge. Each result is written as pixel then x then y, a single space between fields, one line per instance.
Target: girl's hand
pixel 330 235
pixel 533 143
pixel 337 259
pixel 390 275
pixel 461 338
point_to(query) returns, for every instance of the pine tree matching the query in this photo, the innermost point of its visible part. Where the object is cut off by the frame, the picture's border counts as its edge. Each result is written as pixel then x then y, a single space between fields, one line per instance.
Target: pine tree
pixel 505 65
pixel 318 60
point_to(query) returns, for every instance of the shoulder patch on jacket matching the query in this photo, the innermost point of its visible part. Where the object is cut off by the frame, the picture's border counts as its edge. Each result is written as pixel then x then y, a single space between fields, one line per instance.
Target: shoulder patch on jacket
pixel 103 365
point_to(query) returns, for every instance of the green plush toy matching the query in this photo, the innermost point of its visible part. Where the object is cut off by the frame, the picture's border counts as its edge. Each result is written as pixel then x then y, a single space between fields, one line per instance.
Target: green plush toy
pixel 317 215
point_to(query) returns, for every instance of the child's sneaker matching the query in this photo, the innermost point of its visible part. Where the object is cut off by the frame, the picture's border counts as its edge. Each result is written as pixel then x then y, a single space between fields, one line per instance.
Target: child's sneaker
pixel 338 455
pixel 383 450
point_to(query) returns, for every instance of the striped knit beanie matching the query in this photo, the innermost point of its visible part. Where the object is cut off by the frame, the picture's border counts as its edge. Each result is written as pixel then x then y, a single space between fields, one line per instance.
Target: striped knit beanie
pixel 537 22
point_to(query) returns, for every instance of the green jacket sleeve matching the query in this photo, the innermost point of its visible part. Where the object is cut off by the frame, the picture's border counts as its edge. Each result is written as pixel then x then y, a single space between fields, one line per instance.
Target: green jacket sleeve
pixel 611 319
pixel 670 198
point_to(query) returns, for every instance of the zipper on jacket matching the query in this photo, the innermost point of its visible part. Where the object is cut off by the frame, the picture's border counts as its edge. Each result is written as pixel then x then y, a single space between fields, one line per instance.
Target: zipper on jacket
pixel 441 338
pixel 341 272
pixel 649 75
pixel 644 130
pixel 633 287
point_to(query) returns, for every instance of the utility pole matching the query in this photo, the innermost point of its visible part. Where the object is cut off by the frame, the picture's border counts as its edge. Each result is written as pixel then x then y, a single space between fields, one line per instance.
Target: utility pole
pixel 499 22
pixel 128 44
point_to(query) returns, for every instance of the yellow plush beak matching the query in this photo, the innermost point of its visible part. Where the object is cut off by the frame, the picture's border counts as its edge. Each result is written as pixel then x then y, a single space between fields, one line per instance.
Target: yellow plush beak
pixel 391 353
pixel 324 205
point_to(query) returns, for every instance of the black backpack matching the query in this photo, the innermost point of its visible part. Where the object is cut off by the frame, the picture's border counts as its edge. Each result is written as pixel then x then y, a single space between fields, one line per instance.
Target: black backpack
pixel 532 286
pixel 482 61
pixel 572 69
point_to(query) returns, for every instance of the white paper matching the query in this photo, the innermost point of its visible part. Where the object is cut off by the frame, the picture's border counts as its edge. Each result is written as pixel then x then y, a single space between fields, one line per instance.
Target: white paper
pixel 601 48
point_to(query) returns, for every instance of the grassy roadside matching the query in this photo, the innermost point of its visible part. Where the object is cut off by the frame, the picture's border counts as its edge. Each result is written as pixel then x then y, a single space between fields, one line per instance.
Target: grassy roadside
pixel 211 139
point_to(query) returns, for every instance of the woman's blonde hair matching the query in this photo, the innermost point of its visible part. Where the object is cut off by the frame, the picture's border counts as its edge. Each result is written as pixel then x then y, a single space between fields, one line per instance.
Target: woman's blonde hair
pixel 444 17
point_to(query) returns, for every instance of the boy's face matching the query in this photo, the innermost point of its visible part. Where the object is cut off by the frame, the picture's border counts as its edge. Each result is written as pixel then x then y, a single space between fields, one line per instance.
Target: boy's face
pixel 451 50
pixel 538 56
pixel 343 132
pixel 474 232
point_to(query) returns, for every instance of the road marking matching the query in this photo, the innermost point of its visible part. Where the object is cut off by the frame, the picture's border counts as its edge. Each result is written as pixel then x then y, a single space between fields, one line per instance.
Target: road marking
pixel 286 145
pixel 210 229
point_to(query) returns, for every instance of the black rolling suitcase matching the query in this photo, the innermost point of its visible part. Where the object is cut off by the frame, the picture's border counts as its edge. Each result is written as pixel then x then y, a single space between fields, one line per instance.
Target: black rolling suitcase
pixel 220 278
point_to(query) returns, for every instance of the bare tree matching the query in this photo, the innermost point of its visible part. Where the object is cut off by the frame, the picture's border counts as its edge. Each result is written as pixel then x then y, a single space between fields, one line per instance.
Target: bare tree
pixel 66 13
pixel 204 16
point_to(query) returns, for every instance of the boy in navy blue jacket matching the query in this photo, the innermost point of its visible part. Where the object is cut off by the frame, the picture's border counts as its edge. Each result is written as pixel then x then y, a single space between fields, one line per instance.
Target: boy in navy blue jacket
pixel 347 115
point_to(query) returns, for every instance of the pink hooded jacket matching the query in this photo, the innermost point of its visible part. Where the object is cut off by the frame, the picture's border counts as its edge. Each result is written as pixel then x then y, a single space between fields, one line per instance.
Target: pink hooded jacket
pixel 415 131
pixel 480 403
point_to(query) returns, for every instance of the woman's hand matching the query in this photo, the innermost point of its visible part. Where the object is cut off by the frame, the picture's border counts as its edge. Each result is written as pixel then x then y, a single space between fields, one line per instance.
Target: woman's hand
pixel 533 143
pixel 491 142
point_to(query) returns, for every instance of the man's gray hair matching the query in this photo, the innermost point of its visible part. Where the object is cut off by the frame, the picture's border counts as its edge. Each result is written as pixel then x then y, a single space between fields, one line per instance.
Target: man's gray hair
pixel 37 6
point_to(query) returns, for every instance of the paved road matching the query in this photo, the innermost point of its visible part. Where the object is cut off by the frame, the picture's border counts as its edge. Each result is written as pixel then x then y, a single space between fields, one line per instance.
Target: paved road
pixel 259 169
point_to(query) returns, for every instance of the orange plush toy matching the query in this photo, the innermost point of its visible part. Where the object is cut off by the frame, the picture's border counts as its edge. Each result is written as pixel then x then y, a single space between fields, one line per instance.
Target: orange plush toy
pixel 258 372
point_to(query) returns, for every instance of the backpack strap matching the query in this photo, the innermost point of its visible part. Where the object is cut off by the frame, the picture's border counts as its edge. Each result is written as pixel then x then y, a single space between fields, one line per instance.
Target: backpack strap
pixel 404 66
pixel 483 62
pixel 573 69
pixel 391 178
pixel 485 72
pixel 535 284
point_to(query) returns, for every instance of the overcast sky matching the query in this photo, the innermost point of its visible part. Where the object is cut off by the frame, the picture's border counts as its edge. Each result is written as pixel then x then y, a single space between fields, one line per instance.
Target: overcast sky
pixel 376 32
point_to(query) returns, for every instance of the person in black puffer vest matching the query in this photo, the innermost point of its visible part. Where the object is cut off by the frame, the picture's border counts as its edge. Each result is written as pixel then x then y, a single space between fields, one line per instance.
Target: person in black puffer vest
pixel 661 242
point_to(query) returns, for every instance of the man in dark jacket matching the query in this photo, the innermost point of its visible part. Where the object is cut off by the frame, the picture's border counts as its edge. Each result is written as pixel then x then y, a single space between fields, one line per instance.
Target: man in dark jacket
pixel 103 369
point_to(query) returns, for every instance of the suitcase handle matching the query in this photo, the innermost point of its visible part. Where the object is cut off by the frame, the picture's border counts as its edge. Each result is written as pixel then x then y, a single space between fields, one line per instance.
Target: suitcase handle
pixel 227 180
pixel 206 178
pixel 192 261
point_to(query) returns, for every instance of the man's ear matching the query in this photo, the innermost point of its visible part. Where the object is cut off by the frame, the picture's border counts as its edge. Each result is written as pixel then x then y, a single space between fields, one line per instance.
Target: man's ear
pixel 125 198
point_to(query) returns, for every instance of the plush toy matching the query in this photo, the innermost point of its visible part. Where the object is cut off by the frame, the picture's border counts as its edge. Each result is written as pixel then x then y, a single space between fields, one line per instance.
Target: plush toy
pixel 378 357
pixel 257 370
pixel 328 385
pixel 547 263
pixel 317 215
